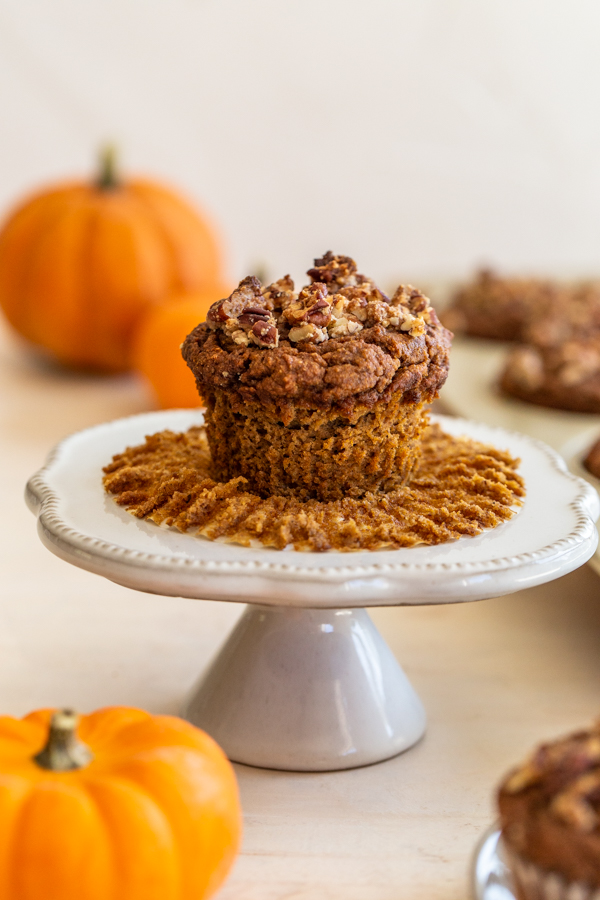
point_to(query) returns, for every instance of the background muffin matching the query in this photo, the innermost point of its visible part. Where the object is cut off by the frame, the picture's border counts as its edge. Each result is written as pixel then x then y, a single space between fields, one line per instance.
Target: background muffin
pixel 550 817
pixel 559 363
pixel 494 307
pixel 321 393
pixel 563 377
pixel 592 459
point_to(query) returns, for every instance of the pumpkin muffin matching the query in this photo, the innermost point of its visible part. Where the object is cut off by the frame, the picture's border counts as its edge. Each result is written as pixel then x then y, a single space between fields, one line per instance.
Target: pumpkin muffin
pixel 559 363
pixel 566 376
pixel 569 312
pixel 592 459
pixel 496 308
pixel 550 817
pixel 321 393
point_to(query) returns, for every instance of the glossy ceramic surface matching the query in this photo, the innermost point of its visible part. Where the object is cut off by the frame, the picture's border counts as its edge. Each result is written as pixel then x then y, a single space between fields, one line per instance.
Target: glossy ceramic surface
pixel 552 534
pixel 490 875
pixel 307 689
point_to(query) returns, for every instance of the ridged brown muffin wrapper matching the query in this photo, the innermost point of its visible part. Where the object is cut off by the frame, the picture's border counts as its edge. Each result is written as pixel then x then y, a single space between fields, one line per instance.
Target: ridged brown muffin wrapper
pixel 533 883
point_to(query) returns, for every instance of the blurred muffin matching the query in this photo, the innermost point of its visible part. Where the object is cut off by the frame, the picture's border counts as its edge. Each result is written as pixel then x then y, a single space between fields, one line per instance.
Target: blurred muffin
pixel 321 393
pixel 569 312
pixel 592 460
pixel 493 307
pixel 559 363
pixel 566 376
pixel 550 818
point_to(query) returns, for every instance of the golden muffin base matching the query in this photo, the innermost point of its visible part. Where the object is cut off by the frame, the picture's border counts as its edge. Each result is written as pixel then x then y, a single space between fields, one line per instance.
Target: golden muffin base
pixel 460 487
pixel 318 455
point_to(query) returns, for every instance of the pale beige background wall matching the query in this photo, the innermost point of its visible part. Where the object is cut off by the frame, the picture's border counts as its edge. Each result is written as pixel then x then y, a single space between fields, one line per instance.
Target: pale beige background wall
pixel 423 136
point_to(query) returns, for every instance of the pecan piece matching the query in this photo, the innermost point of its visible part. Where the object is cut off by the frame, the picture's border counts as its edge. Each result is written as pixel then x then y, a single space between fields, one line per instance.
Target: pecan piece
pixel 308 332
pixel 249 289
pixel 319 313
pixel 330 268
pixel 216 314
pixel 280 294
pixel 250 316
pixel 257 311
pixel 264 334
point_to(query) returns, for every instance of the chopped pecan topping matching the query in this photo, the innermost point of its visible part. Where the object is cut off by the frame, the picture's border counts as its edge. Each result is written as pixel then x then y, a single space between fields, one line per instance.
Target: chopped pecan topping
pixel 319 313
pixel 248 318
pixel 567 772
pixel 243 318
pixel 308 332
pixel 279 294
pixel 339 302
pixel 577 362
pixel 240 337
pixel 246 294
pixel 523 778
pixel 257 311
pixel 573 805
pixel 334 270
pixel 264 334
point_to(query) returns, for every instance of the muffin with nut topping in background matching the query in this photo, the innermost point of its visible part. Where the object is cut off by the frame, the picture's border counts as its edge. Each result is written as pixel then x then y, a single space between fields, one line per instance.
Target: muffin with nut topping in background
pixel 321 393
pixel 550 817
pixel 494 307
pixel 558 364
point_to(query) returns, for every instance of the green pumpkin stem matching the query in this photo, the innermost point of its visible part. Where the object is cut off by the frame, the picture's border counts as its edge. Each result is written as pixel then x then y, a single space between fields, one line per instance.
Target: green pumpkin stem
pixel 63 751
pixel 108 178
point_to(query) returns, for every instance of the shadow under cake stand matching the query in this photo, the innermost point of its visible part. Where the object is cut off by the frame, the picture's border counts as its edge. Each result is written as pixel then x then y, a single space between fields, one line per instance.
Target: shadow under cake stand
pixel 305 682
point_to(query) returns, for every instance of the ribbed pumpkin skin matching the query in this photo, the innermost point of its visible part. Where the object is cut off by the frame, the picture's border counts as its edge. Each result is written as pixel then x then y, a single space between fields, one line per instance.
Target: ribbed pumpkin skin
pixel 79 265
pixel 155 815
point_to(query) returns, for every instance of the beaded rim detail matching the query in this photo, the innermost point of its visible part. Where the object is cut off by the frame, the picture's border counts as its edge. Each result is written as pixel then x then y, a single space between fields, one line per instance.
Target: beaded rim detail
pixel 44 501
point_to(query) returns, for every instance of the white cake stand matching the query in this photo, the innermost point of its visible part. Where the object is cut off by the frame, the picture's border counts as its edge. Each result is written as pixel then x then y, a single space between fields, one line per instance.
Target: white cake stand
pixel 305 682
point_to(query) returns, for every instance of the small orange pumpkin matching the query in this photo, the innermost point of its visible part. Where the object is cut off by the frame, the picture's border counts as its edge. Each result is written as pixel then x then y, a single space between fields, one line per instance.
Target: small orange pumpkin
pixel 146 809
pixel 157 346
pixel 80 262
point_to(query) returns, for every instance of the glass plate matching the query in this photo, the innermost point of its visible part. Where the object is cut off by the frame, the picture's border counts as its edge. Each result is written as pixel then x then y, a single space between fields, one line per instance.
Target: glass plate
pixel 490 875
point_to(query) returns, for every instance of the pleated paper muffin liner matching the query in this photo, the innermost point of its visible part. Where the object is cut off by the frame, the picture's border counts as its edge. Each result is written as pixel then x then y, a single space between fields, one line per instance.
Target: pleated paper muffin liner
pixel 533 883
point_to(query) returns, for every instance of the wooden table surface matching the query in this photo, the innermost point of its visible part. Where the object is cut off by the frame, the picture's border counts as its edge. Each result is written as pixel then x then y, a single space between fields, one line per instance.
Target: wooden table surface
pixel 495 677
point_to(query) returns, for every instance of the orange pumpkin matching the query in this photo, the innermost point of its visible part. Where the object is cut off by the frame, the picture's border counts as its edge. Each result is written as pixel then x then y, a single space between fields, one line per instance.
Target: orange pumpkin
pixel 157 347
pixel 146 809
pixel 80 262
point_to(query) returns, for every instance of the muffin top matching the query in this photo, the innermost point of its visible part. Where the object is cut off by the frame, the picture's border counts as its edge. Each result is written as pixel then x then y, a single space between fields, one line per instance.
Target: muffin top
pixel 338 342
pixel 550 807
pixel 569 313
pixel 494 307
pixel 564 376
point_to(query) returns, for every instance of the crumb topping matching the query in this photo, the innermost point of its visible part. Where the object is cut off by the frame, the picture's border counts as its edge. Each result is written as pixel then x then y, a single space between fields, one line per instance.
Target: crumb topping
pixel 339 302
pixel 339 343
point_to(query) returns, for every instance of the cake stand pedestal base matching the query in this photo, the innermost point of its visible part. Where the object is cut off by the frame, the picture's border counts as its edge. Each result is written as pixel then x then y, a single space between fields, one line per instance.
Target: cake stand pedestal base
pixel 307 690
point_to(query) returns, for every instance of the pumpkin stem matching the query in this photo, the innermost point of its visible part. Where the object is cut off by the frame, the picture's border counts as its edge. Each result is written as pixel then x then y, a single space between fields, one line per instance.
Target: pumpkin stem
pixel 63 751
pixel 107 171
